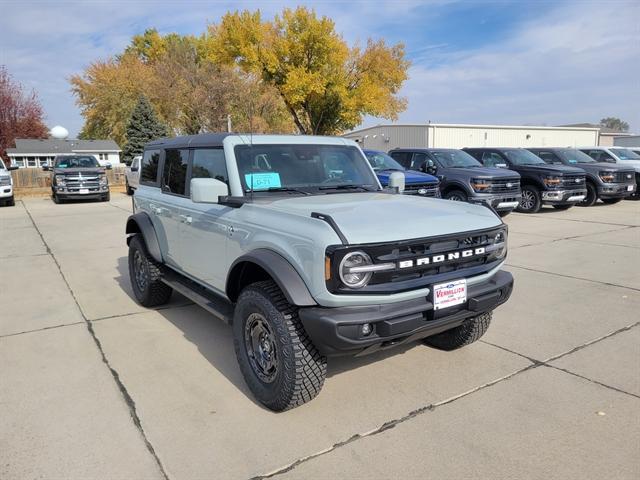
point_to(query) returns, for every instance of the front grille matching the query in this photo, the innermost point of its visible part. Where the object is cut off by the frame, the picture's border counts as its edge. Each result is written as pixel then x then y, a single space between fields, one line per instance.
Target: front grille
pixel 422 189
pixel 569 181
pixel 77 182
pixel 508 185
pixel 625 177
pixel 5 181
pixel 421 275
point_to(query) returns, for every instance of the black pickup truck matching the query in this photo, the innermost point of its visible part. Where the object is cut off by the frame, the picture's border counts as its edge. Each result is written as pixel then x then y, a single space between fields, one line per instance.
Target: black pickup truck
pixel 605 181
pixel 78 177
pixel 542 184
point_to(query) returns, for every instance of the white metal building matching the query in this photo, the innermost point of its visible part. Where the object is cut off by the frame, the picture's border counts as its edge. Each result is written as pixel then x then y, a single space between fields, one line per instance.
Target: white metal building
pixel 632 141
pixel 31 152
pixel 441 135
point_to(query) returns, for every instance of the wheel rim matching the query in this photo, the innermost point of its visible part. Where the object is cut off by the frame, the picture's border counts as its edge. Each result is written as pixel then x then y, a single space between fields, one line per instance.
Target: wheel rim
pixel 454 197
pixel 140 273
pixel 260 344
pixel 528 200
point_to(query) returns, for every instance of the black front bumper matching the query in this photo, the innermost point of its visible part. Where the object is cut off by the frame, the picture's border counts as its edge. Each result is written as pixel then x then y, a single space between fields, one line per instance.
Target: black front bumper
pixel 616 190
pixel 337 331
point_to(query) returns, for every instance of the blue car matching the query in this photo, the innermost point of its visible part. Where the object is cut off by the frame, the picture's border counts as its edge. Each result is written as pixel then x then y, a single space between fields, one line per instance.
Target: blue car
pixel 416 183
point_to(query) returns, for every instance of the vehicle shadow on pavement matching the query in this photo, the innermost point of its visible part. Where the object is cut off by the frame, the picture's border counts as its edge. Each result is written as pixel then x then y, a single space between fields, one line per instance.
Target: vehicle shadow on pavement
pixel 214 338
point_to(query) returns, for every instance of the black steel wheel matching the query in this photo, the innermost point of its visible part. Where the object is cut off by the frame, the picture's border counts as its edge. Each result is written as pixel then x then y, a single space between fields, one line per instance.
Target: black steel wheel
pixel 456 196
pixel 591 197
pixel 145 276
pixel 280 364
pixel 531 201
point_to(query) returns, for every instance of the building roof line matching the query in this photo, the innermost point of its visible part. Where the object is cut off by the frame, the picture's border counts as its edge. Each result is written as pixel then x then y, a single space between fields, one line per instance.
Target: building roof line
pixel 464 125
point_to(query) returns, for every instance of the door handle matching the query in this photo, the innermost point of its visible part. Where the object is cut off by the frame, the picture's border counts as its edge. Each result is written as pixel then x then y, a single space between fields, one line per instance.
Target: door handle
pixel 186 219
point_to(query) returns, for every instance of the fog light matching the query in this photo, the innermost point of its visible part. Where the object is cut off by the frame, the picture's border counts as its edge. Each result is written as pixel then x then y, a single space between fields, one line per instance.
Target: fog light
pixel 366 329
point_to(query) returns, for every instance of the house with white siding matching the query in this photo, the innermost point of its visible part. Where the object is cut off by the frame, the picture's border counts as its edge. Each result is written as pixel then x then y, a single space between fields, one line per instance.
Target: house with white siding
pixel 33 153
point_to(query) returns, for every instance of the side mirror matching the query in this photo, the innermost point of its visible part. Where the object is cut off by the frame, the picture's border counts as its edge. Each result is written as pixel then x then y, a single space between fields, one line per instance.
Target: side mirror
pixel 13 167
pixel 430 167
pixel 396 182
pixel 108 166
pixel 501 165
pixel 207 190
pixel 44 167
pixel 134 169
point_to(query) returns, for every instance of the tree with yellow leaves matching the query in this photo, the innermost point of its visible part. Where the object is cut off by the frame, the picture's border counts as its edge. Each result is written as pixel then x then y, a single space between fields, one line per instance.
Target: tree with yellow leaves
pixel 326 86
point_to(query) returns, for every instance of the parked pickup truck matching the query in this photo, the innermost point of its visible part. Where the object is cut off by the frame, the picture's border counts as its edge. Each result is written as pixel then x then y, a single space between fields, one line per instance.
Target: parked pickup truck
pixel 415 183
pixel 605 181
pixel 463 178
pixel 624 157
pixel 292 240
pixel 78 177
pixel 6 185
pixel 542 184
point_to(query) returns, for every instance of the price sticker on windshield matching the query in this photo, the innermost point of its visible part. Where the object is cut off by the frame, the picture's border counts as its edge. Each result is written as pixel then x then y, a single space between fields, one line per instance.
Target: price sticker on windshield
pixel 449 294
pixel 262 181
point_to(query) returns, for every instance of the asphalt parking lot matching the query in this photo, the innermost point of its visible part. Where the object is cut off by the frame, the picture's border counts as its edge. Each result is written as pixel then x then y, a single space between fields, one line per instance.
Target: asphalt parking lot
pixel 94 386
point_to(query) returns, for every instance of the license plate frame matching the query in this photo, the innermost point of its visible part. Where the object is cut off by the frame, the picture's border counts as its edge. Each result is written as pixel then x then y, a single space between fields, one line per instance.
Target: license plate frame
pixel 449 294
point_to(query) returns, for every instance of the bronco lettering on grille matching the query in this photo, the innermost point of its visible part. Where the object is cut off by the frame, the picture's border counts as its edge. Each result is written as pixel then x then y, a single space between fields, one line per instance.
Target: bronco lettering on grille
pixel 441 257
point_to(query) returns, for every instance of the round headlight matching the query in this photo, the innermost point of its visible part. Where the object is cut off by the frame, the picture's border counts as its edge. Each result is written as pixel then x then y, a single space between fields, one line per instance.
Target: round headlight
pixel 349 273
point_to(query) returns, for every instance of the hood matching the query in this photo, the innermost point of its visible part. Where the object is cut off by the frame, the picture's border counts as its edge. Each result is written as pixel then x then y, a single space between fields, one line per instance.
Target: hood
pixel 629 164
pixel 87 171
pixel 488 172
pixel 551 169
pixel 410 176
pixel 382 217
pixel 600 166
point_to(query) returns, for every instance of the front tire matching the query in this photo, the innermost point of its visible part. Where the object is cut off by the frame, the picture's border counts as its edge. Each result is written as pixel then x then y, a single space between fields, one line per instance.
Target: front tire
pixel 562 207
pixel 456 196
pixel 280 364
pixel 107 197
pixel 504 213
pixel 11 202
pixel 145 274
pixel 129 189
pixel 611 201
pixel 467 333
pixel 57 200
pixel 592 196
pixel 531 200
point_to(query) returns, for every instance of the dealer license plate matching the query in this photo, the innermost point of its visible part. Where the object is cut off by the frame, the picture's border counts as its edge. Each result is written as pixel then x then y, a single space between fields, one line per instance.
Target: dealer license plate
pixel 449 294
pixel 84 190
pixel 629 188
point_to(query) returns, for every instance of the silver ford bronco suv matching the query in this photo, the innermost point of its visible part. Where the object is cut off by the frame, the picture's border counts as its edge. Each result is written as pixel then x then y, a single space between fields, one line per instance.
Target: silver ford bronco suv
pixel 292 240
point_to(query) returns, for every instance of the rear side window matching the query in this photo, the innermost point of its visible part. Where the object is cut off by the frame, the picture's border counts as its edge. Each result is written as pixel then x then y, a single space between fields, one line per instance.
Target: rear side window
pixel 149 167
pixel 174 174
pixel 403 158
pixel 549 157
pixel 209 163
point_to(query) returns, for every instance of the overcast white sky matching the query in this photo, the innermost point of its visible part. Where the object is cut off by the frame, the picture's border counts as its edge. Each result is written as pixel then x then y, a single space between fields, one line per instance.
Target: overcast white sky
pixel 537 62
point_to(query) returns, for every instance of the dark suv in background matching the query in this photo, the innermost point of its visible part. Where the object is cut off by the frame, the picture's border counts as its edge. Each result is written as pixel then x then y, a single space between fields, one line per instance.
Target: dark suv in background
pixel 542 184
pixel 415 183
pixel 605 181
pixel 464 179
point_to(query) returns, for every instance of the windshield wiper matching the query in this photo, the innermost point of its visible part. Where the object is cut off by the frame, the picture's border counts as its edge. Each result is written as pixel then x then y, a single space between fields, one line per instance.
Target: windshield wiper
pixel 283 189
pixel 347 186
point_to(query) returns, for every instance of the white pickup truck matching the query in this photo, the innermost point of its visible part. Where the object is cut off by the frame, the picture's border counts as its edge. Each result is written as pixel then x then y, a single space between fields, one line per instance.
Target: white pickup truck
pixel 132 175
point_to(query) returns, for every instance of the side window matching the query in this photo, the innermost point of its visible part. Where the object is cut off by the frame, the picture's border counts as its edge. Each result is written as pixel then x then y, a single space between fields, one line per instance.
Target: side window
pixel 491 159
pixel 548 157
pixel 403 158
pixel 149 167
pixel 209 163
pixel 418 161
pixel 174 174
pixel 605 157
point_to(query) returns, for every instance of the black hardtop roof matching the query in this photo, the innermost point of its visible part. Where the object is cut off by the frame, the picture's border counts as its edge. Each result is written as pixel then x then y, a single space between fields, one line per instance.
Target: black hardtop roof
pixel 201 140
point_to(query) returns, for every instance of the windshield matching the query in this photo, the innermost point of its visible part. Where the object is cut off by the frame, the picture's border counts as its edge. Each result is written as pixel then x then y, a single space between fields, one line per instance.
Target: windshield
pixel 523 157
pixel 76 162
pixel 625 154
pixel 303 168
pixel 573 156
pixel 455 159
pixel 2 167
pixel 381 161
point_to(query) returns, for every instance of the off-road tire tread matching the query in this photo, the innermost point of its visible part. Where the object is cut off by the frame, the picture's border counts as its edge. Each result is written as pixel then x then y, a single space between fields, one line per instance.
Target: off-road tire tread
pixel 158 292
pixel 305 372
pixel 461 336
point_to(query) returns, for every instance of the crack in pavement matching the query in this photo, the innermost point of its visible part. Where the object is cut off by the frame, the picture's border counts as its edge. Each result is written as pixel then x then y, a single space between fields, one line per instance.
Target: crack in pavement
pixel 431 407
pixel 573 220
pixel 156 309
pixel 41 329
pixel 116 377
pixel 572 277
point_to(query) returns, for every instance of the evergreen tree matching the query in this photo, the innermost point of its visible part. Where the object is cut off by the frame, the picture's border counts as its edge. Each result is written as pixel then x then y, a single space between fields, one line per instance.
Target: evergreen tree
pixel 143 126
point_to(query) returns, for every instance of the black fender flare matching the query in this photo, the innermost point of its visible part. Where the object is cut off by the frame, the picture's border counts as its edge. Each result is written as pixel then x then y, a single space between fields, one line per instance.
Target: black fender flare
pixel 140 223
pixel 455 185
pixel 278 268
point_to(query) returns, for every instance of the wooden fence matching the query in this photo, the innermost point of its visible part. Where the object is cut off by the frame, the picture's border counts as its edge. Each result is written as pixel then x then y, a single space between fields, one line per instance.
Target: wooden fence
pixel 35 181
